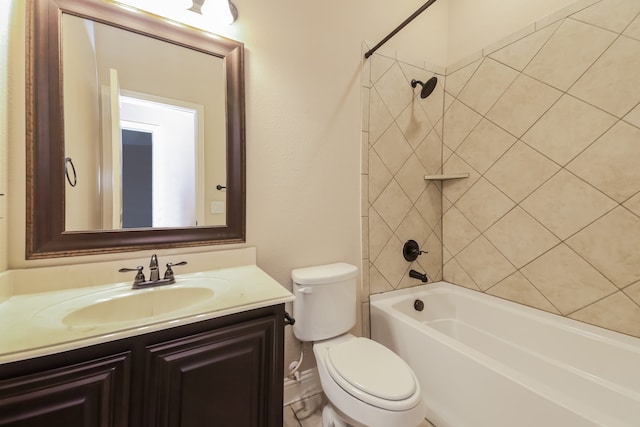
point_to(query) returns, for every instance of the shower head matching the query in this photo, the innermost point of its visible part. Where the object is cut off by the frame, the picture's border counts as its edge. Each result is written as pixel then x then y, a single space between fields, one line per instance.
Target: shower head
pixel 427 87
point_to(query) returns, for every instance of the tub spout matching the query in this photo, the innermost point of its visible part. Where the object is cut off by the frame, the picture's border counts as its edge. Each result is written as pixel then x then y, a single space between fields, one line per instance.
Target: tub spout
pixel 417 275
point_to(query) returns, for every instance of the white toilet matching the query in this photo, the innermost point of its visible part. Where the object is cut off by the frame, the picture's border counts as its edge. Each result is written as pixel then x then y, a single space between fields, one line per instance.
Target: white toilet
pixel 366 383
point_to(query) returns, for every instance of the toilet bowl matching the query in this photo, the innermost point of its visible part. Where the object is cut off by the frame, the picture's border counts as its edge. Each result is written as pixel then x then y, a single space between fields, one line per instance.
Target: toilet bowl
pixel 366 383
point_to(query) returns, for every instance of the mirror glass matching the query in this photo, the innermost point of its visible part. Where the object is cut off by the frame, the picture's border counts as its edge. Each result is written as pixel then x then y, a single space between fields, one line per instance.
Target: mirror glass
pixel 147 144
pixel 135 132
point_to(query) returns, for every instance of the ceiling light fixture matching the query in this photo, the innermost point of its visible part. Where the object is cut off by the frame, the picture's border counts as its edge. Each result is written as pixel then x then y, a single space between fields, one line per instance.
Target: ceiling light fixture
pixel 220 11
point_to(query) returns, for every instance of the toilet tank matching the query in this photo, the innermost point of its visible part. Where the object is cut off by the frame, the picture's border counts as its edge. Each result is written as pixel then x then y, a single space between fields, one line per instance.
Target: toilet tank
pixel 325 304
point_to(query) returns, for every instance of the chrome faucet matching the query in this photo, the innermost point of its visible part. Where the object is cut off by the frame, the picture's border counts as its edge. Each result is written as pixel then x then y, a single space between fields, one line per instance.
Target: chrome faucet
pixel 154 277
pixel 153 267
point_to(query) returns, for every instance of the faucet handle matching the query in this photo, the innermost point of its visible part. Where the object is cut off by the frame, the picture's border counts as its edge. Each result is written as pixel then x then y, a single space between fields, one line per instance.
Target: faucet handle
pixel 139 276
pixel 169 273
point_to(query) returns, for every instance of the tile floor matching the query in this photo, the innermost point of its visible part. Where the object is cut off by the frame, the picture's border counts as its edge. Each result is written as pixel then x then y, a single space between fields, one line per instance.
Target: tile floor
pixel 308 412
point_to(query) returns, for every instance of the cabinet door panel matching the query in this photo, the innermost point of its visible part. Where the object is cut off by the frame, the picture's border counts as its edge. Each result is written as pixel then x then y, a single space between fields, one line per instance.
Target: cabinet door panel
pixel 218 378
pixel 91 394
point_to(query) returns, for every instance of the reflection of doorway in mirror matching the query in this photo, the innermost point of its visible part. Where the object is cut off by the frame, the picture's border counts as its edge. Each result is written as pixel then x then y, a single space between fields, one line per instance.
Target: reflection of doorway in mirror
pixel 173 133
pixel 137 179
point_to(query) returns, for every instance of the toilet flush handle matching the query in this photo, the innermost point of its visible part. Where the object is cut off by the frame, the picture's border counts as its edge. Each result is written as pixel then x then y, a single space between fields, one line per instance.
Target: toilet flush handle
pixel 305 290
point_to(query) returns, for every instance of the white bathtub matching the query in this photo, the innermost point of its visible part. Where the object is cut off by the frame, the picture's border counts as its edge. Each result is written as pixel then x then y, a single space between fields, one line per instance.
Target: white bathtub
pixel 486 362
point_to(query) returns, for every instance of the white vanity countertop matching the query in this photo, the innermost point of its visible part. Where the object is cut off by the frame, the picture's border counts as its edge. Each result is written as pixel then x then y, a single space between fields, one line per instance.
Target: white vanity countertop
pixel 34 324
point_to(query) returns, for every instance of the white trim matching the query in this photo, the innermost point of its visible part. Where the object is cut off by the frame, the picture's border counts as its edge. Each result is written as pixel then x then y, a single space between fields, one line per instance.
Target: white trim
pixel 308 385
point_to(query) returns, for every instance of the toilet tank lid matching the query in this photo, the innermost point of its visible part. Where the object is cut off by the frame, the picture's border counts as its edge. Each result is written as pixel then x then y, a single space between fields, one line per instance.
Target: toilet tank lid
pixel 323 274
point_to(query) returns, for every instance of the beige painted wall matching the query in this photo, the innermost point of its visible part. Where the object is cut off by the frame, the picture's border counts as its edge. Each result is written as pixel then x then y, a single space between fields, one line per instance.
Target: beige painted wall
pixel 82 109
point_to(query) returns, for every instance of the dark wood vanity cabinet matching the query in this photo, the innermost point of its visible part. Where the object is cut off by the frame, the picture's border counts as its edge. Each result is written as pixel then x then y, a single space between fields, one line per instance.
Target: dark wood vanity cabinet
pixel 220 372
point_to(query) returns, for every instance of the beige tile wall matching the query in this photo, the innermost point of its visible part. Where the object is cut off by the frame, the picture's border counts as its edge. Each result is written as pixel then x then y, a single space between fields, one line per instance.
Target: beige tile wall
pixel 548 128
pixel 402 142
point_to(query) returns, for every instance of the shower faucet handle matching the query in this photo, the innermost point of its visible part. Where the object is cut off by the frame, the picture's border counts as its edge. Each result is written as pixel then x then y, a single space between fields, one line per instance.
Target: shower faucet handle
pixel 411 250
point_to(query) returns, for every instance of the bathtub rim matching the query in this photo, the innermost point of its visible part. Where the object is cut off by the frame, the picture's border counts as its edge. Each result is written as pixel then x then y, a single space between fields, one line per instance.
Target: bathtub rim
pixel 385 303
pixel 389 299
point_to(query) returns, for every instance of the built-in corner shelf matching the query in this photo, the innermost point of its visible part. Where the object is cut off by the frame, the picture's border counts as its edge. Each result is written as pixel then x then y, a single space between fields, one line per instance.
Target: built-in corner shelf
pixel 446 176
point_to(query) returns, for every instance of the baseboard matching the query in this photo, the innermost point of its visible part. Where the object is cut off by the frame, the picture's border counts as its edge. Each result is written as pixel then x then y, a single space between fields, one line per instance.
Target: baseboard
pixel 308 385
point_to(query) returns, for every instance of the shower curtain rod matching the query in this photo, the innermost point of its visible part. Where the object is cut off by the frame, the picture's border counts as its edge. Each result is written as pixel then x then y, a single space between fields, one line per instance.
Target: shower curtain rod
pixel 400 27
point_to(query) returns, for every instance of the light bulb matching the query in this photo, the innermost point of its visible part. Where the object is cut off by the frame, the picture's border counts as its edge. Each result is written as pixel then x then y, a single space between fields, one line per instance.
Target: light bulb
pixel 219 11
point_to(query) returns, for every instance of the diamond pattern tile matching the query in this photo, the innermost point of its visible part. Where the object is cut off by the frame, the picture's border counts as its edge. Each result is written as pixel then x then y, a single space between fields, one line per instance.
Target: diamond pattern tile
pixel 611 163
pixel 518 54
pixel 459 120
pixel 607 84
pixel 567 280
pixel 517 288
pixel 568 53
pixel 484 145
pixel 379 175
pixel 393 149
pixel 379 116
pixel 379 234
pixel 567 129
pixel 413 227
pixel 454 188
pixel 616 312
pixel 633 292
pixel 380 64
pixel 377 283
pixel 429 153
pixel 393 205
pixel 519 237
pixel 565 204
pixel 613 15
pixel 633 204
pixel 633 30
pixel 411 178
pixel 634 116
pixel 520 171
pixel 429 204
pixel 484 263
pixel 488 83
pixel 454 273
pixel 484 204
pixel 522 104
pixel 611 245
pixel 395 90
pixel 457 80
pixel 457 231
pixel 414 124
pixel 569 247
pixel 389 264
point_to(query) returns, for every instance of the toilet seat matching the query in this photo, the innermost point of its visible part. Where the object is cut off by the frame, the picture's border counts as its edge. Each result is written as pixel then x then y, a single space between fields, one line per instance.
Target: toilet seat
pixel 372 373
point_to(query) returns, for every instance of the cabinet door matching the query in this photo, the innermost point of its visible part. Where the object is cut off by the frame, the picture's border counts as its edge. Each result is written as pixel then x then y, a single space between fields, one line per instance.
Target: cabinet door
pixel 221 378
pixel 94 393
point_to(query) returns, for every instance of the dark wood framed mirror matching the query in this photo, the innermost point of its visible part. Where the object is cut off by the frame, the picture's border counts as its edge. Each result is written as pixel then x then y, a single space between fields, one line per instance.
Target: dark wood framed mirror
pixel 48 233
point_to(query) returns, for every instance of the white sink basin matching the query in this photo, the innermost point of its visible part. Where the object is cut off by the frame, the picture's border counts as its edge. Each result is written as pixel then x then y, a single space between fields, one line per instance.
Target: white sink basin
pixel 122 305
pixel 138 305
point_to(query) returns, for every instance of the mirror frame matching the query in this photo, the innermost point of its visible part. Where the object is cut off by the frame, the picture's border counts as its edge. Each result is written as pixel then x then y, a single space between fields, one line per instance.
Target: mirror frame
pixel 45 219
